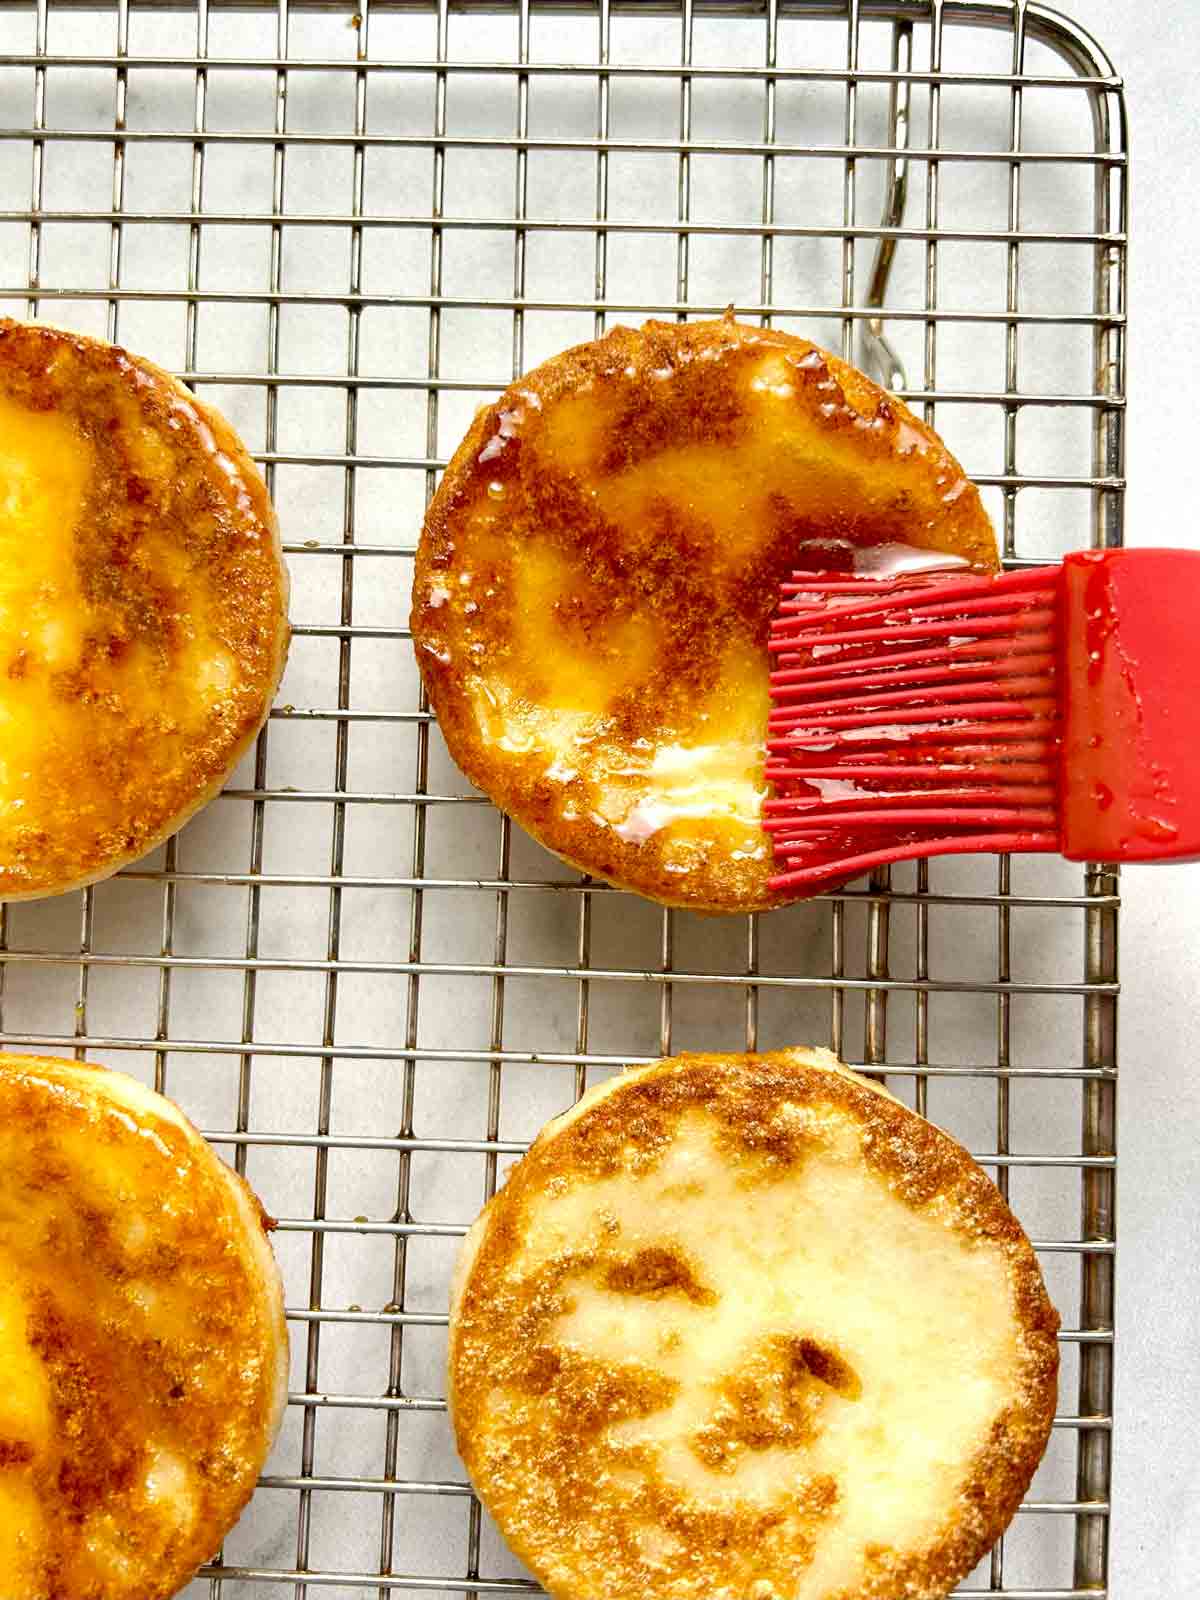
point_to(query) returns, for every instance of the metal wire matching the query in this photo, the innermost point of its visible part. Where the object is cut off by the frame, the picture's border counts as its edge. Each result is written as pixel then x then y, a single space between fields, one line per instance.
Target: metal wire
pixel 871 966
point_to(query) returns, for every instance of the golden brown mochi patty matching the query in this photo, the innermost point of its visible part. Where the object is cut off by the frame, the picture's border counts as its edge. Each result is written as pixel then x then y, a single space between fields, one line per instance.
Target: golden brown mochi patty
pixel 598 569
pixel 143 607
pixel 746 1328
pixel 143 1347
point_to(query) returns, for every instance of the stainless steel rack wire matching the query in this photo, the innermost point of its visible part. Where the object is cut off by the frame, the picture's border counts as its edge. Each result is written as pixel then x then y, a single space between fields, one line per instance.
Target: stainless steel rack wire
pixel 347 225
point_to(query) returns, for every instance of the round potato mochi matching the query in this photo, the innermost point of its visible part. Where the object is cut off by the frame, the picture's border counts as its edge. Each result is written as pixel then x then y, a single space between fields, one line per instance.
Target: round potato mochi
pixel 597 573
pixel 746 1328
pixel 143 1348
pixel 143 607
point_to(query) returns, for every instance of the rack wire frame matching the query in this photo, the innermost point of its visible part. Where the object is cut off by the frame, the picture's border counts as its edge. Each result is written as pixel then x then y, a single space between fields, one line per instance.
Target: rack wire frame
pixel 1086 1418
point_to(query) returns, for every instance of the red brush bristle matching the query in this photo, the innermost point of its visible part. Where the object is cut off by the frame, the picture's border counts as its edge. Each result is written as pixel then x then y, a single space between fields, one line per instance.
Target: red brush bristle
pixel 911 716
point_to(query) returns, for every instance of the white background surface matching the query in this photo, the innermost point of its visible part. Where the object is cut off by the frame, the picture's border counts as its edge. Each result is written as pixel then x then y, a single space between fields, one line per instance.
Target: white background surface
pixel 1156 1544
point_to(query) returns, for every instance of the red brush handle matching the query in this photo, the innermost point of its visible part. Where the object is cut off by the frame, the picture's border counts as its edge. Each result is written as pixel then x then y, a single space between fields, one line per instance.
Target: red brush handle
pixel 1130 647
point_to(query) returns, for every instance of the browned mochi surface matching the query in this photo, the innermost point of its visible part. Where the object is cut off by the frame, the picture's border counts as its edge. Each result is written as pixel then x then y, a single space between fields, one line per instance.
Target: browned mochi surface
pixel 746 1328
pixel 142 1341
pixel 598 569
pixel 143 607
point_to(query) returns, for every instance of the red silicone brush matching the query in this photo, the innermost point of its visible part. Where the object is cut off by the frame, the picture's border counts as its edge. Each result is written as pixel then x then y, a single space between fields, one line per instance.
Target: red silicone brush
pixel 1052 709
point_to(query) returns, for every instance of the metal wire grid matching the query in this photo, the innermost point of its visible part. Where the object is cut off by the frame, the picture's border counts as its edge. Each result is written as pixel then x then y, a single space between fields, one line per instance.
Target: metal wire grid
pixel 364 1468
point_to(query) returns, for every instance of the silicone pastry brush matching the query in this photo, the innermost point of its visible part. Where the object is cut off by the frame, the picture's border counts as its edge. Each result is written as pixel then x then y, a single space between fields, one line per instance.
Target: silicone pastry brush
pixel 1053 709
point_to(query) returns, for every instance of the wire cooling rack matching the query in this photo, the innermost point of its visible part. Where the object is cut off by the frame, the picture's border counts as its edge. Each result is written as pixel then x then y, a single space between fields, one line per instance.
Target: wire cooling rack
pixel 347 228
